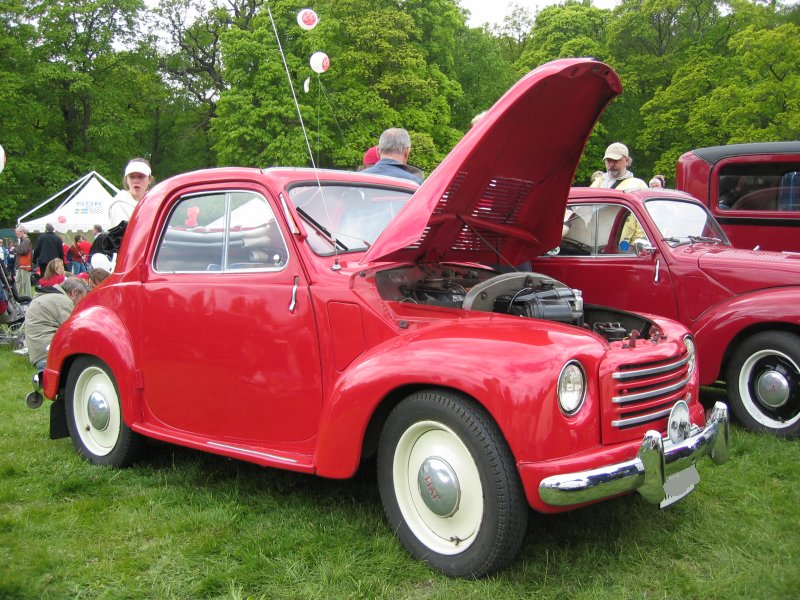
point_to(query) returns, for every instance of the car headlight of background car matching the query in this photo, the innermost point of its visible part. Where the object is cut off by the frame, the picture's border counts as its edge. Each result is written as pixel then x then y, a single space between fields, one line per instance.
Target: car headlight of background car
pixel 571 387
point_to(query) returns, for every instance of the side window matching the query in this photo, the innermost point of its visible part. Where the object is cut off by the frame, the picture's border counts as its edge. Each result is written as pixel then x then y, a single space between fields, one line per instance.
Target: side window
pixel 193 239
pixel 255 241
pixel 599 229
pixel 789 194
pixel 231 231
pixel 759 186
pixel 631 232
pixel 579 236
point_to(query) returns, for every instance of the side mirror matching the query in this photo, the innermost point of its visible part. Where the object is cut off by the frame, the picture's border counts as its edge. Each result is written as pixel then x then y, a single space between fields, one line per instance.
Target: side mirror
pixel 642 247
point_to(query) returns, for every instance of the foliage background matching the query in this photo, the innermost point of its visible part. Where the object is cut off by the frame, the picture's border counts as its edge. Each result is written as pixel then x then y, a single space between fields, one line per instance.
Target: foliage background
pixel 88 84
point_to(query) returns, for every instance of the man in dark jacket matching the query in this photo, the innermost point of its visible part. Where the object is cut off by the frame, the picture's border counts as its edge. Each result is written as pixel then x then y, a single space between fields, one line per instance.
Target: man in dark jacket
pixel 48 247
pixel 97 244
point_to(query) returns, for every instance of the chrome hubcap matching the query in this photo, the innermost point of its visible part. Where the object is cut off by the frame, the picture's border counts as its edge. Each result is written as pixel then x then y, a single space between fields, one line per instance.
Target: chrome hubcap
pixel 772 389
pixel 438 487
pixel 98 411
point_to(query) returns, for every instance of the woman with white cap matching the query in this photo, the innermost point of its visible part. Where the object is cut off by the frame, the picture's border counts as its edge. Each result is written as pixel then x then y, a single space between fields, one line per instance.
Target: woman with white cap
pixel 136 181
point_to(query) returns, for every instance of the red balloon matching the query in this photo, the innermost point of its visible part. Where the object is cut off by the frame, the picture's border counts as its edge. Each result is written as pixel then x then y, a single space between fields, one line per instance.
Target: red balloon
pixel 307 19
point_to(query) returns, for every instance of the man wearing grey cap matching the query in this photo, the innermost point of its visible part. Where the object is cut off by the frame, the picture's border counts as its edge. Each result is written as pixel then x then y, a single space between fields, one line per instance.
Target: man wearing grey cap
pixel 617 176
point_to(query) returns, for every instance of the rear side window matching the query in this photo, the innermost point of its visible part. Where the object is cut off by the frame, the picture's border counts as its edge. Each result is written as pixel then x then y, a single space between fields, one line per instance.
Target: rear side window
pixel 223 231
pixel 759 186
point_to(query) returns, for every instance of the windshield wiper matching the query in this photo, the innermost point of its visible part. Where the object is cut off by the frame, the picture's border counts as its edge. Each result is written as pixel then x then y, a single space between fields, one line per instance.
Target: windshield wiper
pixel 701 238
pixel 676 241
pixel 321 228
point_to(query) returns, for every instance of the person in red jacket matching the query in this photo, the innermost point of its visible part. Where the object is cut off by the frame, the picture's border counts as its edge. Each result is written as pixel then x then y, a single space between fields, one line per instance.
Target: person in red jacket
pixel 80 254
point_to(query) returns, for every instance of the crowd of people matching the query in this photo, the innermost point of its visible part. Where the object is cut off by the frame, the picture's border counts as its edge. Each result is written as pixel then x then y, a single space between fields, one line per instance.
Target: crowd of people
pixel 58 273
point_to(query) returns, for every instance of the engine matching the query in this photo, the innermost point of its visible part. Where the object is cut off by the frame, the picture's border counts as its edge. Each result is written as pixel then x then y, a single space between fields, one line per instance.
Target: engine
pixel 521 294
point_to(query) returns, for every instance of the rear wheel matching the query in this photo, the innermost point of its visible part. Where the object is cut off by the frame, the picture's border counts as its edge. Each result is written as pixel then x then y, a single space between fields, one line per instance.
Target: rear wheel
pixel 94 416
pixel 764 383
pixel 449 485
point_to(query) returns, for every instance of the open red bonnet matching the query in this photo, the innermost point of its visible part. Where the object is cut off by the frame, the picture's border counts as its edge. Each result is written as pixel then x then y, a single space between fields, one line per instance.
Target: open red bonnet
pixel 503 189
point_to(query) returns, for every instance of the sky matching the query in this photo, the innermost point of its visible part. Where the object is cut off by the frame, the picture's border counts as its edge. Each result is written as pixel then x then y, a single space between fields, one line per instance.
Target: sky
pixel 493 11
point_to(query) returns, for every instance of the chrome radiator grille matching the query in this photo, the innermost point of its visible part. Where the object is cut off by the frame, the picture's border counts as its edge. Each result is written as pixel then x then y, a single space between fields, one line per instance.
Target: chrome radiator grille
pixel 643 394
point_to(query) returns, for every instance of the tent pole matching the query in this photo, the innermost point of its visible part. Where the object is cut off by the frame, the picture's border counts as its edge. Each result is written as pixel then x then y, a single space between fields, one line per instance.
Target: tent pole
pixel 53 197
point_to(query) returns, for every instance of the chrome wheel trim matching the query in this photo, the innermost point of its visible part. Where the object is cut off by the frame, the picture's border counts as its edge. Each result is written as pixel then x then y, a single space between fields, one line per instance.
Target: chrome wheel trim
pixel 422 444
pixel 95 408
pixel 763 387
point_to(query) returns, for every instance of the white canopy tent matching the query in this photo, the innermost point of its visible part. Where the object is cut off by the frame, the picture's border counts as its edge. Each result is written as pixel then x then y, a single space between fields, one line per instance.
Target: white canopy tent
pixel 84 203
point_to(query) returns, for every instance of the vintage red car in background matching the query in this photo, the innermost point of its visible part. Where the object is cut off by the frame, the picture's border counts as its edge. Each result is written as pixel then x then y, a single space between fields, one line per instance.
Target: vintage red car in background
pixel 309 320
pixel 753 190
pixel 742 306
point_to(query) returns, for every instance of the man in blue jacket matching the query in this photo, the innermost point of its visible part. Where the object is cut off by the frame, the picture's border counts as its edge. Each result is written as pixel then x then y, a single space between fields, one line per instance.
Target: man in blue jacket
pixel 394 147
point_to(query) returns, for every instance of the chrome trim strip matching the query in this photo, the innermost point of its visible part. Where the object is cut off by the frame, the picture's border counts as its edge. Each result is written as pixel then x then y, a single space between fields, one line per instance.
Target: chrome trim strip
pixel 651 371
pixel 252 452
pixel 641 419
pixel 646 473
pixel 651 393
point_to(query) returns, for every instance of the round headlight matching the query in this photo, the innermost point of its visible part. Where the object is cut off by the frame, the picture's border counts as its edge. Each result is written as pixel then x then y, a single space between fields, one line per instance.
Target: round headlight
pixel 690 350
pixel 571 388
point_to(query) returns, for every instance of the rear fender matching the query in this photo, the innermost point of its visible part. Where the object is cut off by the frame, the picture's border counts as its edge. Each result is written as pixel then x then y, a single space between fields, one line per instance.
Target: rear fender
pixel 98 332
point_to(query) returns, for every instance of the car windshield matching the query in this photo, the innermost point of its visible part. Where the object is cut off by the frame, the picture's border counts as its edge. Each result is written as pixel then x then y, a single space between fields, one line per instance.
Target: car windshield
pixel 681 222
pixel 353 216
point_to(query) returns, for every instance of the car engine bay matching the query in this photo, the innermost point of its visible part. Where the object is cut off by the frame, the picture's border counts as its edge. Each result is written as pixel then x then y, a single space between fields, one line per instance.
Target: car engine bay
pixel 520 293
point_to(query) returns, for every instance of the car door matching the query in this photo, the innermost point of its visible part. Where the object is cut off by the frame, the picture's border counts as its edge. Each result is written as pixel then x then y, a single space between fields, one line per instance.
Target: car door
pixel 597 256
pixel 230 349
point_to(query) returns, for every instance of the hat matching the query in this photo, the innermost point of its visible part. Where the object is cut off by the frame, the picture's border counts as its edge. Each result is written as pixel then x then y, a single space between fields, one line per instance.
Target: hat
pixel 616 151
pixel 371 156
pixel 137 166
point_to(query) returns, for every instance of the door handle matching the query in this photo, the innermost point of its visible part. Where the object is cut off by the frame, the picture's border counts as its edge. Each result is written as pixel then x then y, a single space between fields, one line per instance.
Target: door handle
pixel 293 303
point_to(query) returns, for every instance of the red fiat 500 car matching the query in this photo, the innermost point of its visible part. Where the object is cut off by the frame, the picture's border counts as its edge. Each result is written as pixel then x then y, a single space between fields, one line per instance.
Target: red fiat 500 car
pixel 309 320
pixel 663 252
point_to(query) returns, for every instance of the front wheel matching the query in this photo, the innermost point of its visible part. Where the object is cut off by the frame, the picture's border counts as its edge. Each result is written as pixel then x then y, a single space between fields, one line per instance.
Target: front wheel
pixel 449 485
pixel 94 416
pixel 764 383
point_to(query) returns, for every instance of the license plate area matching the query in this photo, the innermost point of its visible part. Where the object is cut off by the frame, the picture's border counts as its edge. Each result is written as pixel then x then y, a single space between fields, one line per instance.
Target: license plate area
pixel 680 484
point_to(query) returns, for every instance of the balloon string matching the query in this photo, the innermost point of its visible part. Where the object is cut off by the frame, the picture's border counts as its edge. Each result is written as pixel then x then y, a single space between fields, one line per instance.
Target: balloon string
pixel 333 108
pixel 305 135
pixel 291 87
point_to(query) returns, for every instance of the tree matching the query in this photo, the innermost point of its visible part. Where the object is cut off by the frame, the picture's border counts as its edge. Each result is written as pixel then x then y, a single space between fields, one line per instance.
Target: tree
pixel 383 80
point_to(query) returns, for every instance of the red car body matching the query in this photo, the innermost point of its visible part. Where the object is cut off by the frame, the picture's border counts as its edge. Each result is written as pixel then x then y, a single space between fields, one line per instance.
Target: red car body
pixel 753 190
pixel 250 314
pixel 742 306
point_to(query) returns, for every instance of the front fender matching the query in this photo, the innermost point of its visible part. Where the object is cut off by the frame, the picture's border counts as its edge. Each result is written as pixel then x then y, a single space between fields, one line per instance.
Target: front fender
pixel 510 369
pixel 98 332
pixel 720 325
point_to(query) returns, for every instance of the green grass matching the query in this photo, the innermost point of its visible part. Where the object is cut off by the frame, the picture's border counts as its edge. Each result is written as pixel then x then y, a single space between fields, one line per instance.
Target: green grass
pixel 182 524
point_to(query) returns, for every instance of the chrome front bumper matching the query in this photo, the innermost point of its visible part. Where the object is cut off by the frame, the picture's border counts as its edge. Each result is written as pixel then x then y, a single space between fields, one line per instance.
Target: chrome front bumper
pixel 655 461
